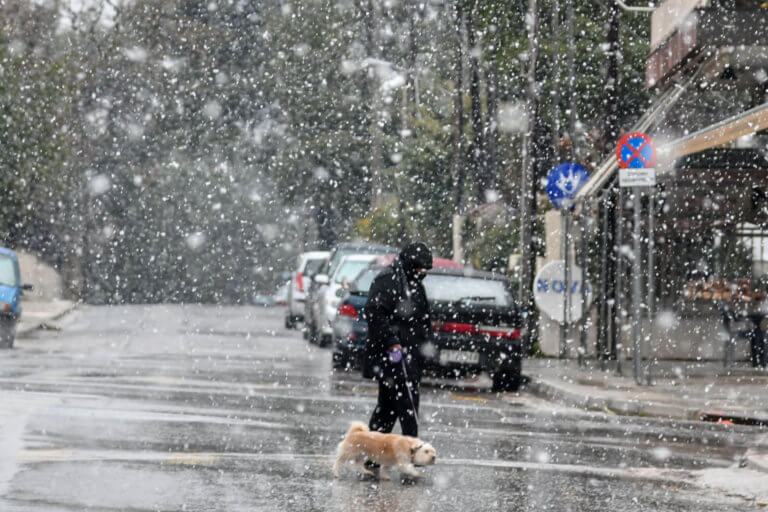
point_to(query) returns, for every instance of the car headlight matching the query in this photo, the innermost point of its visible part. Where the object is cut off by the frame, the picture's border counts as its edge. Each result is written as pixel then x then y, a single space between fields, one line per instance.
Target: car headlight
pixel 5 307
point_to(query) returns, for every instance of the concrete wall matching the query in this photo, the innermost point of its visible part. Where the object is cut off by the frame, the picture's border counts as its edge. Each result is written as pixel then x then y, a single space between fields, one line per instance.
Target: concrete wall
pixel 47 283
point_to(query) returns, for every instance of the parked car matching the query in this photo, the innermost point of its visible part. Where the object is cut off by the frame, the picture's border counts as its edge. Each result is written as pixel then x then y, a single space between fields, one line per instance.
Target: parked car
pixel 329 295
pixel 11 291
pixel 308 264
pixel 281 294
pixel 321 279
pixel 476 326
pixel 266 300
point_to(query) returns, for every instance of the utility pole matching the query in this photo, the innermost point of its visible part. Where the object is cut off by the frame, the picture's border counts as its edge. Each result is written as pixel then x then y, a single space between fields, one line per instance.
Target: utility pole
pixel 528 202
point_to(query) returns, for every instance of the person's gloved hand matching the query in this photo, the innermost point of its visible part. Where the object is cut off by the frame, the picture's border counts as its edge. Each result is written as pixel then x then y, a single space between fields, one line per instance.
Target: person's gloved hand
pixel 395 353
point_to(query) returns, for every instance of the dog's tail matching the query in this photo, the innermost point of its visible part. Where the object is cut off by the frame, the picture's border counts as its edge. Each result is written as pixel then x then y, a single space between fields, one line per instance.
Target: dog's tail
pixel 357 426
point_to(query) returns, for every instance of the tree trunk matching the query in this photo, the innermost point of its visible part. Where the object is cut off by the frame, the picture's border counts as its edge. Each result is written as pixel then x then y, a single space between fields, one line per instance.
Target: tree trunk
pixel 491 129
pixel 556 78
pixel 610 95
pixel 478 163
pixel 458 164
pixel 367 9
pixel 571 80
pixel 528 199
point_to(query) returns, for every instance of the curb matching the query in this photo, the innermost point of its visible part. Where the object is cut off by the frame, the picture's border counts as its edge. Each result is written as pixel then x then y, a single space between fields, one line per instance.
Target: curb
pixel 757 462
pixel 756 458
pixel 37 325
pixel 623 407
pixel 546 389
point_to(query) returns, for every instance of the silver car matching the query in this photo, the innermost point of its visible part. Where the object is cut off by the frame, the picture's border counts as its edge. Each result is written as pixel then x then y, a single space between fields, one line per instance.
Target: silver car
pixel 331 290
pixel 308 264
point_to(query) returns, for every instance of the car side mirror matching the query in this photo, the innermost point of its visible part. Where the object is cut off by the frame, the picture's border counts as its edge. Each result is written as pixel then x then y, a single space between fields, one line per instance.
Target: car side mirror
pixel 321 279
pixel 27 287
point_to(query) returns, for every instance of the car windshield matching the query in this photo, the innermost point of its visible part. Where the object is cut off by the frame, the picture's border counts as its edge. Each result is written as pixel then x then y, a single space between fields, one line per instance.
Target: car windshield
pixel 339 254
pixel 311 267
pixel 7 271
pixel 445 288
pixel 349 270
pixel 365 280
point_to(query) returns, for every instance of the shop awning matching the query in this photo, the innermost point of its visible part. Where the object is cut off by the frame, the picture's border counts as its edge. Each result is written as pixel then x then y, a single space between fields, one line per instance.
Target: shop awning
pixel 747 123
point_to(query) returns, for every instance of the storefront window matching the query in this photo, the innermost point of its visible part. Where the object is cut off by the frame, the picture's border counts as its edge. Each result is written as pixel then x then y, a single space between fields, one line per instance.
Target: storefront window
pixel 756 239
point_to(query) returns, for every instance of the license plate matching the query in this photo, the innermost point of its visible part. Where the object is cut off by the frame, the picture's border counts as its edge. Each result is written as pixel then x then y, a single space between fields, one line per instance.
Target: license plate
pixel 459 357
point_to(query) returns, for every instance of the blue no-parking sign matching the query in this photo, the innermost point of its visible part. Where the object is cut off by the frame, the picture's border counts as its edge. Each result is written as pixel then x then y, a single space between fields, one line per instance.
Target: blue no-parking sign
pixel 564 181
pixel 636 151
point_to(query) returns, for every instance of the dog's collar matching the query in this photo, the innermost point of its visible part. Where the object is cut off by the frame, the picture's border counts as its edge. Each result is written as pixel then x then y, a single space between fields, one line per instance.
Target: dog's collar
pixel 413 452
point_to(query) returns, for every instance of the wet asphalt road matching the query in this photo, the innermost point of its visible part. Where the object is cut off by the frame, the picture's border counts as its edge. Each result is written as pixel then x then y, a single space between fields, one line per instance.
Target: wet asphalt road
pixel 145 408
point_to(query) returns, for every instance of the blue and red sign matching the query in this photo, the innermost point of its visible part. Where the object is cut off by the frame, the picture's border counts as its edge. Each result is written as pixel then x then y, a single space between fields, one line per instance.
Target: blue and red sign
pixel 636 151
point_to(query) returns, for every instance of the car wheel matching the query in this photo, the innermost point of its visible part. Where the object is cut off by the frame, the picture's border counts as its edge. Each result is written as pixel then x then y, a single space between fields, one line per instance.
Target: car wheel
pixel 508 376
pixel 311 333
pixel 290 322
pixel 340 361
pixel 324 340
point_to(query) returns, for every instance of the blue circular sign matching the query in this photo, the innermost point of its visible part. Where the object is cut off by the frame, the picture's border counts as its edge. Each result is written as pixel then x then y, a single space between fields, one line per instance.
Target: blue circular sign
pixel 564 181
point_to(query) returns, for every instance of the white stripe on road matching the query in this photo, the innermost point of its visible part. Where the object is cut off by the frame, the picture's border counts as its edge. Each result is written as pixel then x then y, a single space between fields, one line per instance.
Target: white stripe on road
pixel 210 459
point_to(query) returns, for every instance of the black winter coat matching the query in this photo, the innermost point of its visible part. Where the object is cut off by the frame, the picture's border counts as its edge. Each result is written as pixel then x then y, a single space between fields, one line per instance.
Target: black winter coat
pixel 397 312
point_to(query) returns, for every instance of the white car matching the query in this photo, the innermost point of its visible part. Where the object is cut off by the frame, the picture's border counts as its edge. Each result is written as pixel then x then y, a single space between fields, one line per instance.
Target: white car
pixel 331 292
pixel 307 266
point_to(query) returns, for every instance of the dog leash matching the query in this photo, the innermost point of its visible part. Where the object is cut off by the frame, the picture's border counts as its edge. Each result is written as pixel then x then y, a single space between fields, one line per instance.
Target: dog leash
pixel 397 356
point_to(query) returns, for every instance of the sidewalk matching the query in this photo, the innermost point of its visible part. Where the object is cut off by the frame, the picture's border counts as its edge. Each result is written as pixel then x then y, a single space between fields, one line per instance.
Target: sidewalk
pixel 38 314
pixel 684 390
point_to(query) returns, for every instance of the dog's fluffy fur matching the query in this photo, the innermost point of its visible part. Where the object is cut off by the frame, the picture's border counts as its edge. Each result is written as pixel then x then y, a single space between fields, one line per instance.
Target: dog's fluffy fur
pixel 388 450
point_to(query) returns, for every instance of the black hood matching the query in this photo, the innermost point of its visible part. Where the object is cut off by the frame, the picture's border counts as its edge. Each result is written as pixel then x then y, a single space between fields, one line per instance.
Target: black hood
pixel 415 255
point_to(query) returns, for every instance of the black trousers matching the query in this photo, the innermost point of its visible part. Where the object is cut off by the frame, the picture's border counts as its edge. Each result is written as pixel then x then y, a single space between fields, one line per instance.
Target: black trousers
pixel 394 402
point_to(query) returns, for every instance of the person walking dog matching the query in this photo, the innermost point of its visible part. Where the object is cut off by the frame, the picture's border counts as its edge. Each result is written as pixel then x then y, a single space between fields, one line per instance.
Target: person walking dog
pixel 397 313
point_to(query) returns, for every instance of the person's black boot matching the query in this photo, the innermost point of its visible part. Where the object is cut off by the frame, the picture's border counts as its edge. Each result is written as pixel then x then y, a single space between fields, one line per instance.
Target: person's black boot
pixel 407 479
pixel 373 468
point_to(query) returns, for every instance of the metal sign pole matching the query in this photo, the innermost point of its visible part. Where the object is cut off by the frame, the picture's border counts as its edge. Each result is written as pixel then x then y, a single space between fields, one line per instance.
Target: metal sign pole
pixel 583 290
pixel 562 184
pixel 651 278
pixel 619 294
pixel 637 353
pixel 567 312
pixel 636 154
pixel 564 255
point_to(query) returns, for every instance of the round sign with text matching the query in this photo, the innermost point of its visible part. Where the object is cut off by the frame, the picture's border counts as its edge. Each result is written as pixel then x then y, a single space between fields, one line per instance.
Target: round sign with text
pixel 550 288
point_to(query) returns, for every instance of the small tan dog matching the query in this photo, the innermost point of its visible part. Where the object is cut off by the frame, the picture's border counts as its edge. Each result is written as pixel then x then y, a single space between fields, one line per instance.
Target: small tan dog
pixel 387 450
